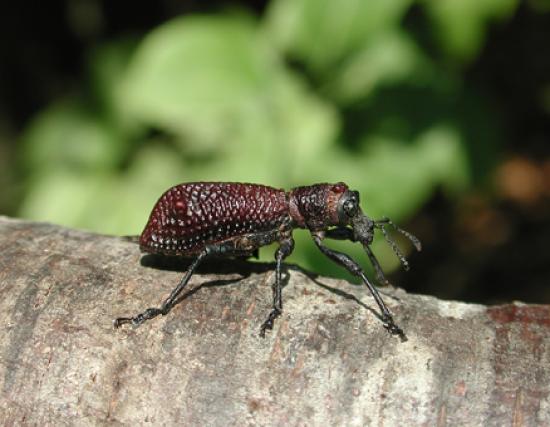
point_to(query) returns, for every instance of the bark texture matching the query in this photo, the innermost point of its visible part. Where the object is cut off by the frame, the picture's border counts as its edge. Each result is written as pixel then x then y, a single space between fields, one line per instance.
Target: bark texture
pixel 328 361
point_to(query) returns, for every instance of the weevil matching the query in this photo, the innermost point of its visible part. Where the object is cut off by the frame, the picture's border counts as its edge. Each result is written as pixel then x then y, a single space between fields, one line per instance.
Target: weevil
pixel 206 219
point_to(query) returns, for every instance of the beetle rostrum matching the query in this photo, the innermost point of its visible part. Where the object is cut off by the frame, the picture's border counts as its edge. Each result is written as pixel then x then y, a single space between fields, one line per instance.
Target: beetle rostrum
pixel 205 219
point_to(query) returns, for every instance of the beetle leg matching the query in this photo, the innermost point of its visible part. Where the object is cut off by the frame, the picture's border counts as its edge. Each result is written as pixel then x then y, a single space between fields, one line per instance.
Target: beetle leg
pixel 377 267
pixel 224 249
pixel 285 249
pixel 168 303
pixel 340 233
pixel 354 268
pixel 345 233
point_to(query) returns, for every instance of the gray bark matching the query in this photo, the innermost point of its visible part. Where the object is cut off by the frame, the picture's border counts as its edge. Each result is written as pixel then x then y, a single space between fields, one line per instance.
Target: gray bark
pixel 328 360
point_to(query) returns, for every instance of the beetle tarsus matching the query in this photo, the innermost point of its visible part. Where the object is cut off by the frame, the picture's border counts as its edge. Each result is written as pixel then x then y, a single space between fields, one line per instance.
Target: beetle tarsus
pixel 268 324
pixel 393 329
pixel 137 320
pixel 118 322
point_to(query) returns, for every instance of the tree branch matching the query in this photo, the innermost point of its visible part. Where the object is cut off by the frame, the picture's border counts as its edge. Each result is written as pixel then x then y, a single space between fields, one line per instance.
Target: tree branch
pixel 328 360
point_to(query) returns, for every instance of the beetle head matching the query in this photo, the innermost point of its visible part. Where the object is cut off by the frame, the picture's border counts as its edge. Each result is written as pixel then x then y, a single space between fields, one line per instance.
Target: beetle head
pixel 350 214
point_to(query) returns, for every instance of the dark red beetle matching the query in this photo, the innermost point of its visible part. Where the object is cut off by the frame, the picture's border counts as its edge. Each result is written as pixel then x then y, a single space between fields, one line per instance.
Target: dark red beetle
pixel 204 219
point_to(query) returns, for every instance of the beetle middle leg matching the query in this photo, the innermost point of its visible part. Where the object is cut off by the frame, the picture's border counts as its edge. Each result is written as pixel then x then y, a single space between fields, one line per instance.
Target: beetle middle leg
pixel 354 268
pixel 284 250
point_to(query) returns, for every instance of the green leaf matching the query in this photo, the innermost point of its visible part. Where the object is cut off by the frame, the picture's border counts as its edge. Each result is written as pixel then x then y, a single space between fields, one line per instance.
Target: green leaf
pixel 67 135
pixel 400 177
pixel 107 65
pixel 235 111
pixel 322 33
pixel 102 201
pixel 195 77
pixel 65 197
pixel 460 25
pixel 385 59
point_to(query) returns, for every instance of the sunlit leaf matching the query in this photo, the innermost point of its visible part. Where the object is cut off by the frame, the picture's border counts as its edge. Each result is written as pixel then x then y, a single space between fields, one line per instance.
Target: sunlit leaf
pixel 66 134
pixel 217 86
pixel 107 65
pixel 195 77
pixel 322 33
pixel 460 25
pixel 385 59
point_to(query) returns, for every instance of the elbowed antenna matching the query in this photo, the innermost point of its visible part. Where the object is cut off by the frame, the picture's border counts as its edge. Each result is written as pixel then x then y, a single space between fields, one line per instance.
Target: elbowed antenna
pixel 381 225
pixel 363 231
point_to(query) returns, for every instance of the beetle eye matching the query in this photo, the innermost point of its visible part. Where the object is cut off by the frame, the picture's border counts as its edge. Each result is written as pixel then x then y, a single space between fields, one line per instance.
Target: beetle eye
pixel 350 207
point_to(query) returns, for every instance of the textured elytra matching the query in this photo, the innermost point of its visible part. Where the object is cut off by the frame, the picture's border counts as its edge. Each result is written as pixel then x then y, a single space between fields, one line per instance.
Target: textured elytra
pixel 189 216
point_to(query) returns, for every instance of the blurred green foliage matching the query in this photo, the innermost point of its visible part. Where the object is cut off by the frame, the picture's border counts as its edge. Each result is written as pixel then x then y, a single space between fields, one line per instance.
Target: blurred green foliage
pixel 314 91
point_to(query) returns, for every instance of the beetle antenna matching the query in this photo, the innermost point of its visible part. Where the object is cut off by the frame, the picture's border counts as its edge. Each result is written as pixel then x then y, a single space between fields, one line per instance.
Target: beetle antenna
pixel 386 221
pixel 381 225
pixel 395 248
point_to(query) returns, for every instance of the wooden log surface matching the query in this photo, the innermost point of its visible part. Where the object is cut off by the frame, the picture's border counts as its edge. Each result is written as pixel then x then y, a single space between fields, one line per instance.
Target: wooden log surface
pixel 328 360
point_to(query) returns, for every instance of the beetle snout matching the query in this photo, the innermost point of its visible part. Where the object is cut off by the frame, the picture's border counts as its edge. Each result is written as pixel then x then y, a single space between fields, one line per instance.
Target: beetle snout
pixel 363 228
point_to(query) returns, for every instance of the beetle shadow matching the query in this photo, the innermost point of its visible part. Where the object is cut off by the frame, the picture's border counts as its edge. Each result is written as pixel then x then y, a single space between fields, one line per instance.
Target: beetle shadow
pixel 339 292
pixel 218 266
pixel 346 295
pixel 285 277
pixel 315 276
pixel 244 268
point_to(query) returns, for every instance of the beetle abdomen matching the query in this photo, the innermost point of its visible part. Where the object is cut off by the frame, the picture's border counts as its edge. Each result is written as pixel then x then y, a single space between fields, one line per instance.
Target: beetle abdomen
pixel 189 216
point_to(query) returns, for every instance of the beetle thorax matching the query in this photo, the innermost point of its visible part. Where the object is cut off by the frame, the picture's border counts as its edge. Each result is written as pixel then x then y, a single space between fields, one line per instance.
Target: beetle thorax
pixel 315 207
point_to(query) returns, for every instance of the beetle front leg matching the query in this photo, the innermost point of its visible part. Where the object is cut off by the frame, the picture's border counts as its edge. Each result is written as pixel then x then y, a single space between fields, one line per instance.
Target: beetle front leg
pixel 345 233
pixel 284 250
pixel 354 268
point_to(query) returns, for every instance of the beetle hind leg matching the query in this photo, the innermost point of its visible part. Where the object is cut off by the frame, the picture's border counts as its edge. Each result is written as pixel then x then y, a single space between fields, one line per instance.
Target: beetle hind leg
pixel 223 249
pixel 168 303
